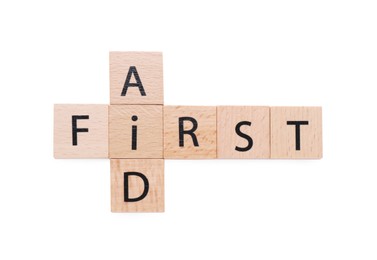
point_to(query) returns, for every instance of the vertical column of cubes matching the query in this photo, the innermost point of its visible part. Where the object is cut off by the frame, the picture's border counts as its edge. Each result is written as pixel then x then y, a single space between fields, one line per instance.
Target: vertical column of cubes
pixel 136 132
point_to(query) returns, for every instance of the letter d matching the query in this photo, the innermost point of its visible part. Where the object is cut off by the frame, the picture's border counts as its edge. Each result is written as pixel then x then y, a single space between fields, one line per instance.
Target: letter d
pixel 126 188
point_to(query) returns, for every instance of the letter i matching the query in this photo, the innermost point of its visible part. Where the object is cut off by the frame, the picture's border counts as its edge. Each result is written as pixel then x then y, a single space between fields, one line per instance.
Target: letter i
pixel 134 134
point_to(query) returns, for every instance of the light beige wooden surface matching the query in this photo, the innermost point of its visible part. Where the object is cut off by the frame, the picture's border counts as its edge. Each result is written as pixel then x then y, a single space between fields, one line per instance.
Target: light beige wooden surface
pixel 149 131
pixel 205 133
pixel 153 169
pixel 150 69
pixel 259 130
pixel 283 137
pixel 93 144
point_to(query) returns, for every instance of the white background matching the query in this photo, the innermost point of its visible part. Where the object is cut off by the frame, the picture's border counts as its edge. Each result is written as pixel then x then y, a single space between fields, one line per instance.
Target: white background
pixel 321 53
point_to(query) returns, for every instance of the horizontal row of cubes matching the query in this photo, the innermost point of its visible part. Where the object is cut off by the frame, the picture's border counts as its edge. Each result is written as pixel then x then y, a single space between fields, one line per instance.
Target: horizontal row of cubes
pixel 187 132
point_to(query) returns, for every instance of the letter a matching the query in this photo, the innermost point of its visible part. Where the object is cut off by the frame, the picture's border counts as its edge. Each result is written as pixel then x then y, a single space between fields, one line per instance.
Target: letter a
pixel 138 83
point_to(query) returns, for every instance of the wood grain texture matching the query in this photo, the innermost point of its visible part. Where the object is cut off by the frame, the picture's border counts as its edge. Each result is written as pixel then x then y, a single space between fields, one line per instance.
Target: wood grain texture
pixel 91 144
pixel 283 136
pixel 227 139
pixel 205 133
pixel 153 169
pixel 150 70
pixel 149 131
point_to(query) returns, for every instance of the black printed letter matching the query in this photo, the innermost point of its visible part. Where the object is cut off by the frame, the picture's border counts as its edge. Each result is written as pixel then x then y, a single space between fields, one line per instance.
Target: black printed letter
pixel 189 132
pixel 138 83
pixel 134 134
pixel 248 138
pixel 75 130
pixel 146 186
pixel 297 124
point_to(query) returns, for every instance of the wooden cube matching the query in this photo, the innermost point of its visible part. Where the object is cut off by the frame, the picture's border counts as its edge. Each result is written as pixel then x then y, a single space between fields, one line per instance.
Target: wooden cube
pixel 296 132
pixel 189 132
pixel 137 185
pixel 243 132
pixel 80 131
pixel 135 131
pixel 136 78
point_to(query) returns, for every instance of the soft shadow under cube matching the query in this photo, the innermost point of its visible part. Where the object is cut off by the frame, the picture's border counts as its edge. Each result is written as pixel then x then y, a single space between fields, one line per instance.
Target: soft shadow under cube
pixel 135 131
pixel 137 185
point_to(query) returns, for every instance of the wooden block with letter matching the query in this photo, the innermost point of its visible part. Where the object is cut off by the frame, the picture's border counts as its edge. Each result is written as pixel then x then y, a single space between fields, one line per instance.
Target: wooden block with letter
pixel 136 78
pixel 189 132
pixel 243 132
pixel 137 185
pixel 135 131
pixel 80 131
pixel 296 132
